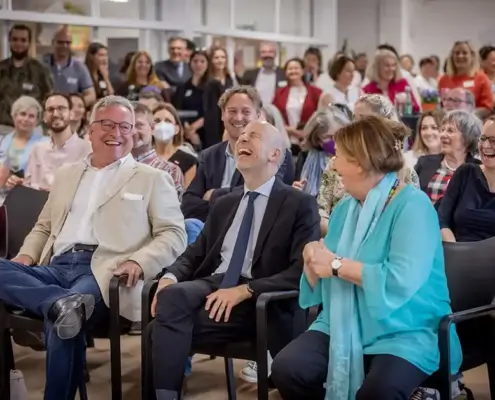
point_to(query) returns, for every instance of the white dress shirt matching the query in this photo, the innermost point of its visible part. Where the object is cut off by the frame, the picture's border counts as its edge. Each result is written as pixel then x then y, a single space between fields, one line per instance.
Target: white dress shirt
pixel 78 227
pixel 230 167
pixel 228 244
pixel 266 82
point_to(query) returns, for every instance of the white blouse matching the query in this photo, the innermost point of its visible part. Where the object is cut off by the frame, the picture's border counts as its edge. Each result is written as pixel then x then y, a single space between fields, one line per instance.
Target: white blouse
pixel 297 95
pixel 349 98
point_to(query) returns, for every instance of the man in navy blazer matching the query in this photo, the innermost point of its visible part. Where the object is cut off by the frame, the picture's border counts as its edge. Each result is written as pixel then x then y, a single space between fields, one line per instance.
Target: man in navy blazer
pixel 217 174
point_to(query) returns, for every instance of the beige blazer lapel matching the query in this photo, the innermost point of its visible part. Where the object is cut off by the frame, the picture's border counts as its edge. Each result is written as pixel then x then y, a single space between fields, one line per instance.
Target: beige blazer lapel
pixel 126 172
pixel 70 188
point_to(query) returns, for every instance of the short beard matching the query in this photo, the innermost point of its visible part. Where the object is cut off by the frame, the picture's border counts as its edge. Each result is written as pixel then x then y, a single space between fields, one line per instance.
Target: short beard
pixel 16 55
pixel 58 129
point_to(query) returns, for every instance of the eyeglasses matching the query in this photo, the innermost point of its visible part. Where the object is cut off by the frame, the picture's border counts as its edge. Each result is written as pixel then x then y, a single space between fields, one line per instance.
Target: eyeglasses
pixel 59 109
pixel 455 101
pixel 491 140
pixel 108 125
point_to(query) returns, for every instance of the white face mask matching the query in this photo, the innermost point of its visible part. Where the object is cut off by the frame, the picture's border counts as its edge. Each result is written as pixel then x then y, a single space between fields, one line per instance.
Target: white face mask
pixel 164 131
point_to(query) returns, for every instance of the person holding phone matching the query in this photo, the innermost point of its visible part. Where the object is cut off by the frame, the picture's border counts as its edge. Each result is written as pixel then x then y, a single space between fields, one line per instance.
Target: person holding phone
pixel 16 146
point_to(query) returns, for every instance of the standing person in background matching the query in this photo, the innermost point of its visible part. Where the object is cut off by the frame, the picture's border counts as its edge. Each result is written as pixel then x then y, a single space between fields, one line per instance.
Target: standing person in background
pixel 269 77
pixel 426 79
pixel 190 49
pixel 139 75
pixel 313 61
pixel 220 80
pixel 20 75
pixel 407 63
pixel 189 97
pixel 463 71
pixel 69 75
pixel 97 64
pixel 175 71
pixel 297 101
pixel 361 63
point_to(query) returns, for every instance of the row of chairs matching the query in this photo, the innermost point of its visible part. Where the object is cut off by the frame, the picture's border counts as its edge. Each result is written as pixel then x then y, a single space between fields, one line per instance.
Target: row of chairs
pixel 470 269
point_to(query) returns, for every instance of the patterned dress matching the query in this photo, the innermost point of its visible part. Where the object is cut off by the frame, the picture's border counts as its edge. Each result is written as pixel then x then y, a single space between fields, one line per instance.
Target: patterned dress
pixel 332 191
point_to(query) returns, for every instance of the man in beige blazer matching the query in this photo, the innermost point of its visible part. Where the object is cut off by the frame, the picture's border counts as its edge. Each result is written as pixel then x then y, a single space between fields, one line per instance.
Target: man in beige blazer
pixel 107 215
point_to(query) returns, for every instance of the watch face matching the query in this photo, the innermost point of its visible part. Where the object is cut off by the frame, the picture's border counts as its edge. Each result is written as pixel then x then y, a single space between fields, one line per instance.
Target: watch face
pixel 336 264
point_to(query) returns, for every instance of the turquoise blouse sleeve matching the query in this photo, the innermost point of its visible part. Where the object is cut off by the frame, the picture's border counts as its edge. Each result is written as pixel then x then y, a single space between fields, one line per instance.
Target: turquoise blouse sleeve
pixel 309 297
pixel 415 236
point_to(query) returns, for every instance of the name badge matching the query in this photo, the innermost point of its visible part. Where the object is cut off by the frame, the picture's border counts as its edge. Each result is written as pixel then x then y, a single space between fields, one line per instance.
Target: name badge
pixel 27 87
pixel 282 84
pixel 72 81
pixel 468 84
pixel 188 93
pixel 102 85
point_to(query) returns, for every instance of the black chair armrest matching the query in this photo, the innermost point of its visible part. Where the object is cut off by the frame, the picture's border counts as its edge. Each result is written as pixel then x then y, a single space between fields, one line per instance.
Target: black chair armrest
pixel 262 325
pixel 444 341
pixel 147 296
pixel 114 304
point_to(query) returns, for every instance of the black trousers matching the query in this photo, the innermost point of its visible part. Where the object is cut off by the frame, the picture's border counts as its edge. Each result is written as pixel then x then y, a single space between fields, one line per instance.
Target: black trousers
pixel 182 323
pixel 300 370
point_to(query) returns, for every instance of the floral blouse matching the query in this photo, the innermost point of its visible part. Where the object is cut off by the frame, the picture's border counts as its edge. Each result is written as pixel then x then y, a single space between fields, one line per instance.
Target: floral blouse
pixel 332 191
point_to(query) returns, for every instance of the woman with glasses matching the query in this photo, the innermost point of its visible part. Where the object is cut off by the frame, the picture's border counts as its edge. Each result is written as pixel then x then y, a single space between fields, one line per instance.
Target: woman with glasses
pixel 467 211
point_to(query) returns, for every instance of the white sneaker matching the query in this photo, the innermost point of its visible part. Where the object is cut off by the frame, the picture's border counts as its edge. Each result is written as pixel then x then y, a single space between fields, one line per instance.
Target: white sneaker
pixel 250 372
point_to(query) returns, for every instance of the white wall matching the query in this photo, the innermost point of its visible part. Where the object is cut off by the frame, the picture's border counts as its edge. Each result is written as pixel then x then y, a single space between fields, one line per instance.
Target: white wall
pixel 433 25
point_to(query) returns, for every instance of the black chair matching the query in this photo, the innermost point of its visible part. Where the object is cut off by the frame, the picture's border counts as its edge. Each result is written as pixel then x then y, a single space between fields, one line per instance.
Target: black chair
pixel 23 206
pixel 243 350
pixel 470 270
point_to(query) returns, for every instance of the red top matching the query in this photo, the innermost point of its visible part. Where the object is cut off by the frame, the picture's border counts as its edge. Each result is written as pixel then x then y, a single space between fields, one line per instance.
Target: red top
pixel 479 85
pixel 394 88
pixel 310 104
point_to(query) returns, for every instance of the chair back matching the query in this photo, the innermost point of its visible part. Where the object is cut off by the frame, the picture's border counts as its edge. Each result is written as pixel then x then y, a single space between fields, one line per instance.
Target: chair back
pixel 23 206
pixel 470 270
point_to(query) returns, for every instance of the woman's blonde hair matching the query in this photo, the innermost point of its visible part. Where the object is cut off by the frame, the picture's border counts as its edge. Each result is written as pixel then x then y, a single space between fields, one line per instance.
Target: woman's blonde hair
pixel 374 143
pixel 373 71
pixel 153 79
pixel 24 103
pixel 178 139
pixel 450 68
pixel 419 146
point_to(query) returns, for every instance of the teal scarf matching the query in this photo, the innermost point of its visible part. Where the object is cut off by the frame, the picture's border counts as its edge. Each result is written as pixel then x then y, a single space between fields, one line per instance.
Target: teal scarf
pixel 345 368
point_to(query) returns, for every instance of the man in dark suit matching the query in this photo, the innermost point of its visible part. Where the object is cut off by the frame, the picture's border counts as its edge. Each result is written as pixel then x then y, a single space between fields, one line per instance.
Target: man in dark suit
pixel 216 174
pixel 267 78
pixel 251 244
pixel 175 71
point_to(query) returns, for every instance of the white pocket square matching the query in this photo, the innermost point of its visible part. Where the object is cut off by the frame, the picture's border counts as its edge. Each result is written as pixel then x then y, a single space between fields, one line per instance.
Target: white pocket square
pixel 132 196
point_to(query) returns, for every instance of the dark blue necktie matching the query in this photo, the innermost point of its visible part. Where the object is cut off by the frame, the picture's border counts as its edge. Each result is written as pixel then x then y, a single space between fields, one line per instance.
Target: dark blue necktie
pixel 233 273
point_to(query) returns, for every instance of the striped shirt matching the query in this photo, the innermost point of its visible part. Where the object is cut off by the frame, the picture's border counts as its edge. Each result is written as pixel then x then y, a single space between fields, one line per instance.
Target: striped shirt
pixel 151 158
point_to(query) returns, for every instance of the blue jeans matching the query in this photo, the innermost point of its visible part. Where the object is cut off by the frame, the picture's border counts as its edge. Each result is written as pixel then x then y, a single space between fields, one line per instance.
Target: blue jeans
pixel 36 289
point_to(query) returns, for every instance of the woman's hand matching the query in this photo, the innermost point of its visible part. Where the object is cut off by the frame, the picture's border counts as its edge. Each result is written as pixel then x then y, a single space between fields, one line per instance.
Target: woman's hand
pixel 318 259
pixel 13 181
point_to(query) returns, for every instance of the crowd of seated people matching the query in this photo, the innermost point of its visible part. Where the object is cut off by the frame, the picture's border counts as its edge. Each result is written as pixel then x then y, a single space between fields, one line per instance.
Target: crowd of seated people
pixel 232 203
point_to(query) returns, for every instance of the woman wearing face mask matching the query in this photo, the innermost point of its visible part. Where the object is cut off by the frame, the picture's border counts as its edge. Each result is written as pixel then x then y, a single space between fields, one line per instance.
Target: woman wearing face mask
pixel 169 138
pixel 318 147
pixel 427 139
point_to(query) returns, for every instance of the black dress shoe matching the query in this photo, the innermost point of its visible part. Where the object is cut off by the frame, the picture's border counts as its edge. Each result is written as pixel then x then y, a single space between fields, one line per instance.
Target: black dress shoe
pixel 136 329
pixel 70 313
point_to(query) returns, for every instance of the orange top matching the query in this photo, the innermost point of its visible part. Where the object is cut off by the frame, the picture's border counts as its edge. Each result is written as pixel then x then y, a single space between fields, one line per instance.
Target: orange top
pixel 479 85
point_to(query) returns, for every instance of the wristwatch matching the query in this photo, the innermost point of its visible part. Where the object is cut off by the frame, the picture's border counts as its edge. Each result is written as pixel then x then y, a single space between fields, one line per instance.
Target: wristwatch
pixel 336 264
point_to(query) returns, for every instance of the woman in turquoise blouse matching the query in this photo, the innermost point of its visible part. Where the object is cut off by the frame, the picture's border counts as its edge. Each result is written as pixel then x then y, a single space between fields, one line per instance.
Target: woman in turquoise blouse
pixel 379 276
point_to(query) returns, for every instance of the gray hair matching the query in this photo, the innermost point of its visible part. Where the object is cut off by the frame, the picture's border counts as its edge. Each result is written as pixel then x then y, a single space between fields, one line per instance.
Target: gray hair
pixel 468 124
pixel 380 105
pixel 24 103
pixel 322 123
pixel 110 101
pixel 274 117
